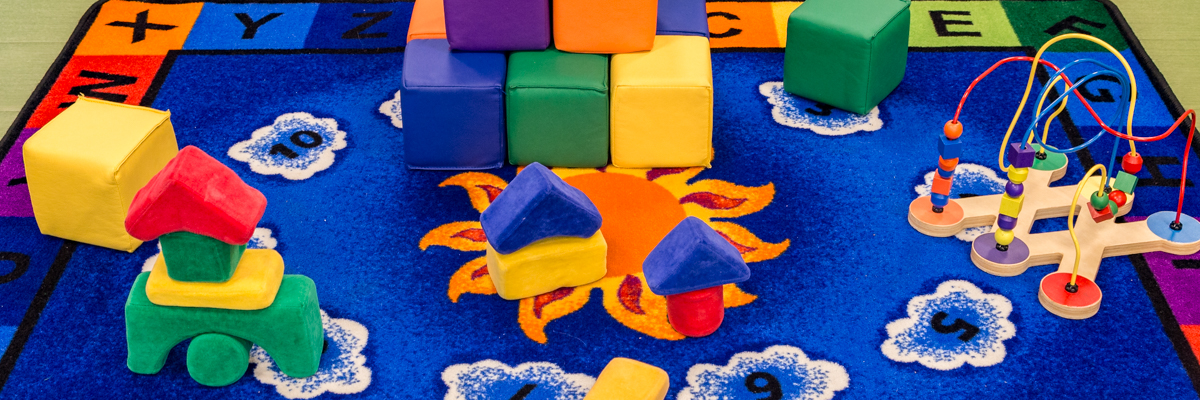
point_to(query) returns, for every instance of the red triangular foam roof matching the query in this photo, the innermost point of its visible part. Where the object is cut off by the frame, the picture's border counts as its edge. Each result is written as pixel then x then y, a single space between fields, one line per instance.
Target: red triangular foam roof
pixel 197 194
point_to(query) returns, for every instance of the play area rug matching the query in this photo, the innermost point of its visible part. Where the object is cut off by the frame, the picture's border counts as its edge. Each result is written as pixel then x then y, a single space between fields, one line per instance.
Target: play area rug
pixel 846 299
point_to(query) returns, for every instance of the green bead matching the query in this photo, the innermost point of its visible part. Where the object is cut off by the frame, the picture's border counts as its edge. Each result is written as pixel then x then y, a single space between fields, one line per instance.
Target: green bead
pixel 215 359
pixel 197 258
pixel 1099 200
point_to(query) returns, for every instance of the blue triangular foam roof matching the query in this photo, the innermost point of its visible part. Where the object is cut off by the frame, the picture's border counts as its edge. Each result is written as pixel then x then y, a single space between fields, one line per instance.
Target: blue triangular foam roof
pixel 537 204
pixel 692 257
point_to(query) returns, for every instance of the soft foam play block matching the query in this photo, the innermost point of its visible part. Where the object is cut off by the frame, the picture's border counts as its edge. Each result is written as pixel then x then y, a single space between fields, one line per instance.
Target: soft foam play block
pixel 537 204
pixel 197 194
pixel 662 105
pixel 682 17
pixel 691 257
pixel 252 287
pixel 604 27
pixel 215 359
pixel 428 20
pixel 626 379
pixel 289 330
pixel 84 167
pixel 547 265
pixel 454 107
pixel 196 258
pixel 489 25
pixel 556 108
pixel 849 54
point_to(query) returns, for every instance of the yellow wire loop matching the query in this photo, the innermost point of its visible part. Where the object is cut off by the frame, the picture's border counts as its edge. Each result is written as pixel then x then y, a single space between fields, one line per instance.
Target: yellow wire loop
pixel 1071 211
pixel 1033 73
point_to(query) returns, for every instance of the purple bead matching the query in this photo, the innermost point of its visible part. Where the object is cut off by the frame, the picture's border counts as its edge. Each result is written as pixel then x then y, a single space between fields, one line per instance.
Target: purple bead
pixel 1014 190
pixel 1021 155
pixel 1006 222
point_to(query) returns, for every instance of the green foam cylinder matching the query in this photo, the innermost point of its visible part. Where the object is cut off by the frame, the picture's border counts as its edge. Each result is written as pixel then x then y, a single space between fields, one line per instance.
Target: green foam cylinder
pixel 289 330
pixel 215 359
pixel 849 54
pixel 556 107
pixel 197 258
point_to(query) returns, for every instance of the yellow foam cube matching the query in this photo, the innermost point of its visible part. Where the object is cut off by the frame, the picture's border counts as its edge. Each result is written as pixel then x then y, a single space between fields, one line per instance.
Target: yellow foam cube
pixel 84 166
pixel 252 287
pixel 1011 206
pixel 662 105
pixel 548 264
pixel 626 379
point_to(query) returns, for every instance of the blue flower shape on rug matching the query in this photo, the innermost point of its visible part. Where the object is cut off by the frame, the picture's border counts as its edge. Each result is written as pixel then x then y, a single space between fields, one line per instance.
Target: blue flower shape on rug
pixel 295 147
pixel 343 367
pixel 779 372
pixel 969 180
pixel 798 112
pixel 957 324
pixel 490 379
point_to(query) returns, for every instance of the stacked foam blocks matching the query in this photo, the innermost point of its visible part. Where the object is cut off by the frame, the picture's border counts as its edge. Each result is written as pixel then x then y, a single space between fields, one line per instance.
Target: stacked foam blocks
pixel 207 286
pixel 558 98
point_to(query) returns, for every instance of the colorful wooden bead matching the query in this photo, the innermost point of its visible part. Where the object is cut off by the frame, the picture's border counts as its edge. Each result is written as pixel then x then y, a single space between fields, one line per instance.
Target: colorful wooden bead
pixel 942 185
pixel 947 164
pixel 1017 175
pixel 1131 162
pixel 945 173
pixel 949 148
pixel 1099 200
pixel 953 129
pixel 1102 214
pixel 1011 206
pixel 1005 222
pixel 1118 197
pixel 1004 237
pixel 1014 189
pixel 1125 182
pixel 939 200
pixel 1021 155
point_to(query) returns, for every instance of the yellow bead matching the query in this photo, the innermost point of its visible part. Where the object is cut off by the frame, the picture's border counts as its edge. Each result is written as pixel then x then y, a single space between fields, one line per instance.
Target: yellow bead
pixel 548 264
pixel 625 379
pixel 1011 206
pixel 1004 237
pixel 1017 175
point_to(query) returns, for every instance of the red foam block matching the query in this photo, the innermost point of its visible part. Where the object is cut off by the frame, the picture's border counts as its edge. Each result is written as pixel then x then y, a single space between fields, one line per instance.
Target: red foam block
pixel 197 194
pixel 696 313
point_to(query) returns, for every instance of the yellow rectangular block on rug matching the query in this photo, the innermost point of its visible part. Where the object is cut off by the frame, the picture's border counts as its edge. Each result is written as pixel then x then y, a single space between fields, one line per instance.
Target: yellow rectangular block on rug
pixel 626 379
pixel 548 264
pixel 662 105
pixel 85 165
pixel 252 287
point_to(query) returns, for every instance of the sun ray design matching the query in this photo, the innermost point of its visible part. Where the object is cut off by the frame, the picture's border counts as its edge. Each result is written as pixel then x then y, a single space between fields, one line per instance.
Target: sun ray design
pixel 639 207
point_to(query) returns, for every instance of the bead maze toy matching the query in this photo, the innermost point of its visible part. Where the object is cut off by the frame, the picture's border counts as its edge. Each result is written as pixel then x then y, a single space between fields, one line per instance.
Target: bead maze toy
pixel 1071 291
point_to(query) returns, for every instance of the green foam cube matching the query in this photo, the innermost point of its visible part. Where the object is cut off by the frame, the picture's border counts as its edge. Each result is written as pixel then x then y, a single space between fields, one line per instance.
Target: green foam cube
pixel 1125 182
pixel 289 330
pixel 556 108
pixel 849 54
pixel 198 258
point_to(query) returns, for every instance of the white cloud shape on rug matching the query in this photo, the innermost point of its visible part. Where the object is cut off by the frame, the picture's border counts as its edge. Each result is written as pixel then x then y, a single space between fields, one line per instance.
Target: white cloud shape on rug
pixel 261 239
pixel 968 178
pixel 491 379
pixel 391 108
pixel 343 368
pixel 957 324
pixel 296 146
pixel 781 369
pixel 794 111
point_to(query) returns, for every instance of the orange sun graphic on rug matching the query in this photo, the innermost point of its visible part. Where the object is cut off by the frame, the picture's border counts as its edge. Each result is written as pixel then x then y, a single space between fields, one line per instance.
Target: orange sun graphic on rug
pixel 639 207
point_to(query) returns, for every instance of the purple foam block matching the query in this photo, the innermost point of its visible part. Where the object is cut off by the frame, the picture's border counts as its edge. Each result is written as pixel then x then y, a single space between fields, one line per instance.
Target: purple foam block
pixel 14 193
pixel 1014 190
pixel 1021 155
pixel 1006 222
pixel 491 25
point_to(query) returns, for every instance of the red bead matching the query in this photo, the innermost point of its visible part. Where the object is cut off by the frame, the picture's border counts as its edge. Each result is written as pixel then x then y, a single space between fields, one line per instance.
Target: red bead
pixel 697 313
pixel 1118 197
pixel 1131 163
pixel 953 129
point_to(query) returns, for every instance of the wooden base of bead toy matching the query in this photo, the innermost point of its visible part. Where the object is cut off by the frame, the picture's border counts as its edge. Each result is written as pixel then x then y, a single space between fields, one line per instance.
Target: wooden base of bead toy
pixel 1098 240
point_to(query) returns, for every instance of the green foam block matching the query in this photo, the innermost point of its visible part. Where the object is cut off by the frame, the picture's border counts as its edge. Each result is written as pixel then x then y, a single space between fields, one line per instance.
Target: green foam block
pixel 197 258
pixel 289 330
pixel 556 107
pixel 849 54
pixel 215 359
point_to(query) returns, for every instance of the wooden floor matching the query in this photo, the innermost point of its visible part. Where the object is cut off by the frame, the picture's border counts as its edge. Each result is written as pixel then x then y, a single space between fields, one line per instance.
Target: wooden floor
pixel 34 31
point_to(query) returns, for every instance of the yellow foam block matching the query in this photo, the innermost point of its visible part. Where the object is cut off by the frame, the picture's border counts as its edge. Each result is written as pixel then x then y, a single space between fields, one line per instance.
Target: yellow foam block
pixel 84 166
pixel 662 105
pixel 252 287
pixel 1011 206
pixel 548 264
pixel 625 379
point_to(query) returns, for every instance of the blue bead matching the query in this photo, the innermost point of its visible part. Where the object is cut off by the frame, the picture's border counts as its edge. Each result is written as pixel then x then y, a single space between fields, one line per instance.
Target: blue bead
pixel 939 200
pixel 949 148
pixel 944 173
pixel 1014 190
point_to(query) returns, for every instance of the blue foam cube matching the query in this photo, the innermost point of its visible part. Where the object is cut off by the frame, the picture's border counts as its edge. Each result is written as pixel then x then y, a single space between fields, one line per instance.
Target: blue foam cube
pixel 949 148
pixel 692 257
pixel 453 106
pixel 1021 156
pixel 682 18
pixel 536 205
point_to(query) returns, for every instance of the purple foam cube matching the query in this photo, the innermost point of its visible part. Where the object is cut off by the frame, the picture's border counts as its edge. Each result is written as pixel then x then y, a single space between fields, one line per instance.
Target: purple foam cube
pixel 1021 155
pixel 497 25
